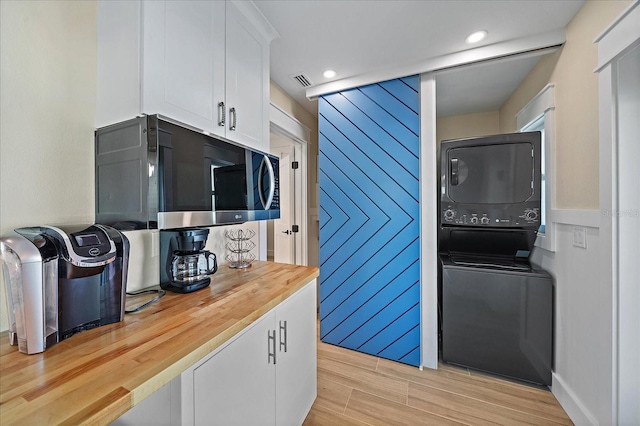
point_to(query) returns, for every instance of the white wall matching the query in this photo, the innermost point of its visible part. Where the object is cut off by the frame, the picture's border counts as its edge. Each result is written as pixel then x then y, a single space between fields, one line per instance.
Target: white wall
pixel 48 88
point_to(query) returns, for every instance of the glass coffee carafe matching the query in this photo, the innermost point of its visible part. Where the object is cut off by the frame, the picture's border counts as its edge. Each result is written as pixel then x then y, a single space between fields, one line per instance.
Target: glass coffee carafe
pixel 185 265
pixel 190 267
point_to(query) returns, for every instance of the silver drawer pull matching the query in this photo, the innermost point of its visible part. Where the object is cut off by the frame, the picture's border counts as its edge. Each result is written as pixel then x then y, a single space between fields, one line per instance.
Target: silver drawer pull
pixel 234 116
pixel 283 330
pixel 271 344
pixel 221 114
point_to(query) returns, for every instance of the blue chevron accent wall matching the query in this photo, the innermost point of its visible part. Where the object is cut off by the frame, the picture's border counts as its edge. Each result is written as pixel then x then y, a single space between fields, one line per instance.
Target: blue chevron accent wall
pixel 369 151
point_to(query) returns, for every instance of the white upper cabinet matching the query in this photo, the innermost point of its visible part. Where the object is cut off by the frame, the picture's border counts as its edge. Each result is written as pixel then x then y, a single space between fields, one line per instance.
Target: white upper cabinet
pixel 247 80
pixel 183 61
pixel 205 64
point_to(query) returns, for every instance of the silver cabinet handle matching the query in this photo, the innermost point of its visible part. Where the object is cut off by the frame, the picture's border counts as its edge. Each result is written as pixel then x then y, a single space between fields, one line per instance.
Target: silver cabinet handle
pixel 271 344
pixel 283 330
pixel 221 114
pixel 233 114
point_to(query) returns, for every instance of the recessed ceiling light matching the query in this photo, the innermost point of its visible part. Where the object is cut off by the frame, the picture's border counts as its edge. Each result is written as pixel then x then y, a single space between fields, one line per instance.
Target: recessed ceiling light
pixel 329 74
pixel 476 37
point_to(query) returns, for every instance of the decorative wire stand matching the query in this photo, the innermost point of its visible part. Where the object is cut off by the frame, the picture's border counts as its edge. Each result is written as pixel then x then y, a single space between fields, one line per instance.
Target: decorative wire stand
pixel 239 246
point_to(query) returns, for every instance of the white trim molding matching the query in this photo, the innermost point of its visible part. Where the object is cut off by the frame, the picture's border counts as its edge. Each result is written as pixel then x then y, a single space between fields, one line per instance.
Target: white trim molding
pixel 286 125
pixel 283 123
pixel 577 217
pixel 619 155
pixel 576 409
pixel 624 31
pixel 428 223
pixel 543 104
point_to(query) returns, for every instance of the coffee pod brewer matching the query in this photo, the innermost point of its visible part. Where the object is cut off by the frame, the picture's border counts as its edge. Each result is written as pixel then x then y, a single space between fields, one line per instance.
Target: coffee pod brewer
pixel 62 280
pixel 184 264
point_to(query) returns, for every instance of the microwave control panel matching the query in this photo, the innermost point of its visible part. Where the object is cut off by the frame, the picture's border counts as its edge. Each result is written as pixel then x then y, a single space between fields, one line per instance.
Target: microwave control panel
pixel 510 216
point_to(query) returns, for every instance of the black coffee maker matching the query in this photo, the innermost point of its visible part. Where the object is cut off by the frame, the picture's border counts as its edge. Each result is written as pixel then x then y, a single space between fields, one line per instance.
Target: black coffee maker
pixel 184 264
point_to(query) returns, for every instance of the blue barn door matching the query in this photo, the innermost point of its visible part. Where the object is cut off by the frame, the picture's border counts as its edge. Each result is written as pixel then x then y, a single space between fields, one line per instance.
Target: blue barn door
pixel 369 151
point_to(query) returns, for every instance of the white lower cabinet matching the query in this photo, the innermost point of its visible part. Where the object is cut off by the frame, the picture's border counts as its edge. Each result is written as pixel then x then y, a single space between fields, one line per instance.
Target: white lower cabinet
pixel 266 375
pixel 296 363
pixel 235 386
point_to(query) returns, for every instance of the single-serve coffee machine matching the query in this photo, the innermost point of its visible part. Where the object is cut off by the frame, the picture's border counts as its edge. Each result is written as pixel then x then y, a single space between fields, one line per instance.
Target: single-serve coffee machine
pixel 62 280
pixel 184 264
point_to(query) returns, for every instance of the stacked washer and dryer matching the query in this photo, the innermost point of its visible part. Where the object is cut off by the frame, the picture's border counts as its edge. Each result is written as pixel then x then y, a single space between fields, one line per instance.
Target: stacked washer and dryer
pixel 496 308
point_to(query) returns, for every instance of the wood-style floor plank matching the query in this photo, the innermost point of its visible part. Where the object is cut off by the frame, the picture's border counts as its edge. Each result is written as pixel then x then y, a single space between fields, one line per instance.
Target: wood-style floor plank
pixel 321 416
pixel 389 388
pixel 358 359
pixel 379 411
pixel 360 389
pixel 534 401
pixel 331 395
pixel 467 410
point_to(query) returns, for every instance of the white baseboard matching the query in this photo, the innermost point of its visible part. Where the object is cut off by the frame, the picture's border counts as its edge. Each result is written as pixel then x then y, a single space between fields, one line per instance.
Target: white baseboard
pixel 576 410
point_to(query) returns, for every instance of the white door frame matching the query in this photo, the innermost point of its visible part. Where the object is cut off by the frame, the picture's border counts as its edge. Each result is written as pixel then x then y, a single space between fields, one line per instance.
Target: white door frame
pixel 283 124
pixel 287 249
pixel 619 217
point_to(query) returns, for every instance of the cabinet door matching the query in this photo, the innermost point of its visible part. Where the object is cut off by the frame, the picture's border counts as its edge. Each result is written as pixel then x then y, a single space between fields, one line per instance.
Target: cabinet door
pixel 118 61
pixel 247 81
pixel 236 385
pixel 183 61
pixel 296 376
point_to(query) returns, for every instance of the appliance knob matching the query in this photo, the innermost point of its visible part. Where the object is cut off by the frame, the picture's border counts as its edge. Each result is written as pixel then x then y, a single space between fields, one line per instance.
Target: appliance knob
pixel 484 220
pixel 530 215
pixel 474 220
pixel 449 214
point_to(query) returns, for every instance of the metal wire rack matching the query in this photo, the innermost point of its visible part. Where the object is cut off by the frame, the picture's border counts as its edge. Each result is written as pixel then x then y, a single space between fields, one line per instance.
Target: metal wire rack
pixel 239 245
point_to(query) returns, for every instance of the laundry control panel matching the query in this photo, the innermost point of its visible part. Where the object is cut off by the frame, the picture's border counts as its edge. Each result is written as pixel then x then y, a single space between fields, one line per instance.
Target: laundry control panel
pixel 510 217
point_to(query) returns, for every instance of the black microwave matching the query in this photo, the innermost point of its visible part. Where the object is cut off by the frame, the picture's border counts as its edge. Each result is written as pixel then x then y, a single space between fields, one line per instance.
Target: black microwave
pixel 153 172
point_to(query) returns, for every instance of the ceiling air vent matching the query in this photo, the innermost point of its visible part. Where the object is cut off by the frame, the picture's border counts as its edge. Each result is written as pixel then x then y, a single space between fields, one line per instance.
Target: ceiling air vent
pixel 302 80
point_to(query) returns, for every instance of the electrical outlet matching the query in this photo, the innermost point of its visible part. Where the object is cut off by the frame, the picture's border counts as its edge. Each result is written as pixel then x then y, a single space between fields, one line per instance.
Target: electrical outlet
pixel 580 237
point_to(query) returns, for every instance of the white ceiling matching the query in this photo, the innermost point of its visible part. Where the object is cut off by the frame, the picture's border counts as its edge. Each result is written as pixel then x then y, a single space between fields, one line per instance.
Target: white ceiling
pixel 356 37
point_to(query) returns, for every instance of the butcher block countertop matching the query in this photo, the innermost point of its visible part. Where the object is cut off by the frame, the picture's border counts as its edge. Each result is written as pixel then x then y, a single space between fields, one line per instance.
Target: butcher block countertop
pixel 97 375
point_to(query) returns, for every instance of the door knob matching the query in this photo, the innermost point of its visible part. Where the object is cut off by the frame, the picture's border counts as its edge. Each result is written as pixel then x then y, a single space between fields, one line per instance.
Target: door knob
pixel 288 232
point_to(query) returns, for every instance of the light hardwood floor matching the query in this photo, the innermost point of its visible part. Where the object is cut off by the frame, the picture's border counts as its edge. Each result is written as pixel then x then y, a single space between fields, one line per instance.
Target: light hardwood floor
pixel 360 389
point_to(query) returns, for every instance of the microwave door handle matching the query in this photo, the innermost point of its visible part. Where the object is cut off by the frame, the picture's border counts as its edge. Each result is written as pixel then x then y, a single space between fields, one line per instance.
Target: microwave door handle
pixel 272 183
pixel 454 171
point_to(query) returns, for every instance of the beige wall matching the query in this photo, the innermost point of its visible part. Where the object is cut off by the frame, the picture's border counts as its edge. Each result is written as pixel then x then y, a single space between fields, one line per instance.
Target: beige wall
pixel 47 114
pixel 286 103
pixel 576 91
pixel 467 125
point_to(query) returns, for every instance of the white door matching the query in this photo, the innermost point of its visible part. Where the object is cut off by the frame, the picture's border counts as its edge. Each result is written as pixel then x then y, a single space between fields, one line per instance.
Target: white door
pixel 284 241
